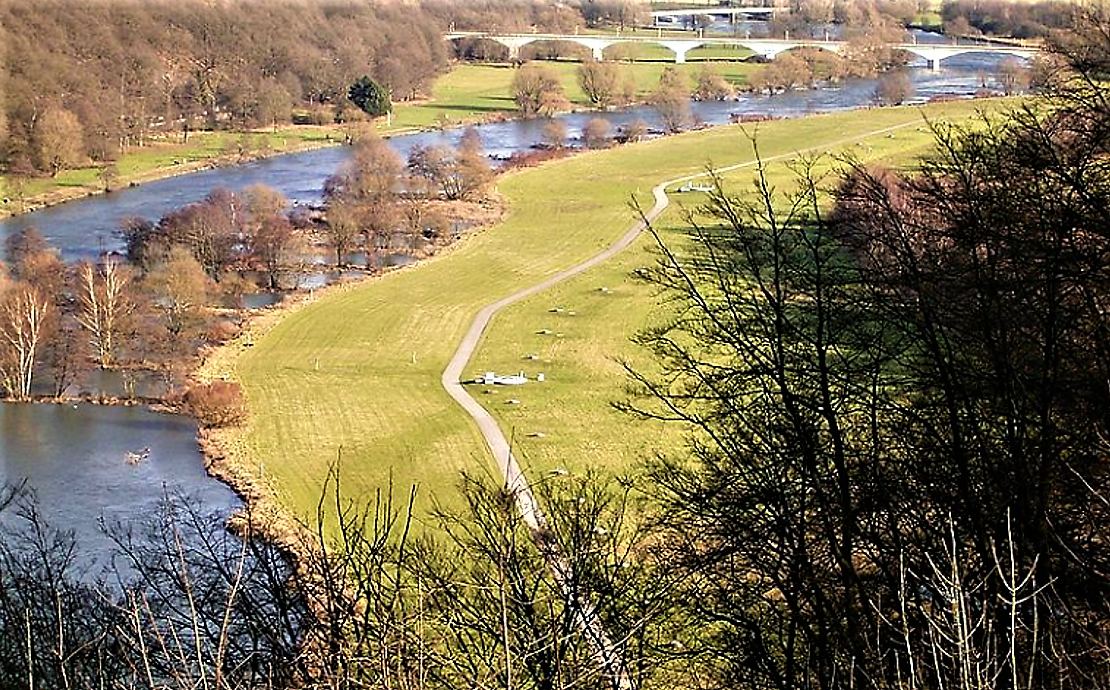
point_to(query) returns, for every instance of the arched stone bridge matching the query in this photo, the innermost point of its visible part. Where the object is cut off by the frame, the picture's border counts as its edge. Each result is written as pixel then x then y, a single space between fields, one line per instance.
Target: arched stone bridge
pixel 767 47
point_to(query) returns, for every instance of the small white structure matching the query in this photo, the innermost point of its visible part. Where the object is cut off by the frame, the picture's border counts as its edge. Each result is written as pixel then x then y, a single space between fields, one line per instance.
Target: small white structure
pixel 510 380
pixel 691 187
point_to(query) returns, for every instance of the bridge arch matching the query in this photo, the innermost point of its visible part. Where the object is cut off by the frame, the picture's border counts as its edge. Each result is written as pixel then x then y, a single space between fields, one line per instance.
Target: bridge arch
pixel 772 52
pixel 934 54
pixel 768 48
pixel 479 46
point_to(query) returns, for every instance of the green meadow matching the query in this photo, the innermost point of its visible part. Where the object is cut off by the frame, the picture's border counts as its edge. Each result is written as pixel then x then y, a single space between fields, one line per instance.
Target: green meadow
pixel 356 374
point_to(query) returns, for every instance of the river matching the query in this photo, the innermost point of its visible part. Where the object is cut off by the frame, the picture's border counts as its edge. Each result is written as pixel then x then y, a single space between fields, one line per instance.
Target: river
pixel 88 465
pixel 75 458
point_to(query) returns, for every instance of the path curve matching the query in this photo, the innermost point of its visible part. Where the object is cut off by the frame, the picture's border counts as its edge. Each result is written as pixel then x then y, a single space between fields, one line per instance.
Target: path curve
pixel 515 480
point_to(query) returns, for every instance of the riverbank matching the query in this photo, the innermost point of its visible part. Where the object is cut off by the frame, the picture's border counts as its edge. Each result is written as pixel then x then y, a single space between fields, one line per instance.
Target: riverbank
pixel 468 94
pixel 226 457
pixel 173 161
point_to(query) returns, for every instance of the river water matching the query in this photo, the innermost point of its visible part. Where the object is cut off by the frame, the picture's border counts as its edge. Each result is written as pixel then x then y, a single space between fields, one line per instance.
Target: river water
pixel 75 458
pixel 88 465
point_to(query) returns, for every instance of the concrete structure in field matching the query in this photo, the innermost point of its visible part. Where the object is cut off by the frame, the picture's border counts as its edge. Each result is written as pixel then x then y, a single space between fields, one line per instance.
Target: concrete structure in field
pixel 767 47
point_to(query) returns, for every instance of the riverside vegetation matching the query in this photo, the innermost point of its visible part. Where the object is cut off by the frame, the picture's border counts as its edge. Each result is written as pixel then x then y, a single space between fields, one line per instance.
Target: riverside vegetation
pixel 222 84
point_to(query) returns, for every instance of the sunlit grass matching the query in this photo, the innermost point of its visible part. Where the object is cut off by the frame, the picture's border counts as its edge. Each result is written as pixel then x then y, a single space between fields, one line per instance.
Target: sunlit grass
pixel 472 92
pixel 357 373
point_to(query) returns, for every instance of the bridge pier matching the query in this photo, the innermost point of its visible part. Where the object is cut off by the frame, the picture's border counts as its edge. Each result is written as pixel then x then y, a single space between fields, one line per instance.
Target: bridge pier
pixel 680 48
pixel 934 64
pixel 514 44
pixel 597 46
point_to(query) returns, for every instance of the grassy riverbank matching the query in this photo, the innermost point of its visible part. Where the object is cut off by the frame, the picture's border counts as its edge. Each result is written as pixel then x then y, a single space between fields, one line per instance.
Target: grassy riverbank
pixel 167 157
pixel 473 92
pixel 468 93
pixel 357 374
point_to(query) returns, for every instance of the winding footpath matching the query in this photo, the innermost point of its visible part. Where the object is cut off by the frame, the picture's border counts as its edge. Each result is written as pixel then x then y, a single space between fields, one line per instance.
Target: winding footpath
pixel 604 649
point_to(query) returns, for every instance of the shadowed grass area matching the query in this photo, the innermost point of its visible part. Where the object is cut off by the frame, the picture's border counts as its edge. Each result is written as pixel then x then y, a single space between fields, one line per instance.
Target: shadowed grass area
pixel 359 370
pixel 579 333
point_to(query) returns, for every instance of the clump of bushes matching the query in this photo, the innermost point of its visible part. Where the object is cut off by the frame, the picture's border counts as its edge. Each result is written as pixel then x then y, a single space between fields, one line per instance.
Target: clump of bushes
pixel 216 404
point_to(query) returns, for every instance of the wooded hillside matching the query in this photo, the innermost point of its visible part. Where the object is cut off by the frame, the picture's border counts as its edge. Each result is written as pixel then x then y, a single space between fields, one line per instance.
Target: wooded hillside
pixel 89 80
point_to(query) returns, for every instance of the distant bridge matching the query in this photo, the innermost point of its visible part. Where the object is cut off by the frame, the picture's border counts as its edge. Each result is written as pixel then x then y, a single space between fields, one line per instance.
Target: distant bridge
pixel 662 17
pixel 767 47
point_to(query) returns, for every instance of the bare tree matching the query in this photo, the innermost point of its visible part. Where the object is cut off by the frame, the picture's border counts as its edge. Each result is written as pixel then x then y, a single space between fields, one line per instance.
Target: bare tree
pixel 596 134
pixel 273 244
pixel 600 81
pixel 58 140
pixel 671 99
pixel 342 228
pixel 23 315
pixel 711 86
pixel 555 134
pixel 103 306
pixel 537 91
pixel 66 354
pixel 1013 76
pixel 181 288
pixel 452 173
pixel 894 88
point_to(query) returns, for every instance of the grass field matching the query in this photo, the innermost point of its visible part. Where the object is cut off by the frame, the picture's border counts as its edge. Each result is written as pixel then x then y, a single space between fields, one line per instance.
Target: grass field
pixel 579 333
pixel 359 371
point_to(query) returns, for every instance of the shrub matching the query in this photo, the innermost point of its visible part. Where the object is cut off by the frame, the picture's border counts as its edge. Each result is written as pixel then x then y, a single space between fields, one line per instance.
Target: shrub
pixel 216 404
pixel 221 332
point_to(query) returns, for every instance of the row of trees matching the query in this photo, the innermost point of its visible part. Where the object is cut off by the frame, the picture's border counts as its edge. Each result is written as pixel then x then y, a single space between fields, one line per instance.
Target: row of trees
pixel 156 309
pixel 538 92
pixel 60 321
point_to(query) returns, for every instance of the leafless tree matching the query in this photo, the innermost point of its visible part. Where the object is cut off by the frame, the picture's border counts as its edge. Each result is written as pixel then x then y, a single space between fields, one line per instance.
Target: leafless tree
pixel 596 134
pixel 671 99
pixel 103 305
pixel 600 81
pixel 537 91
pixel 23 316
